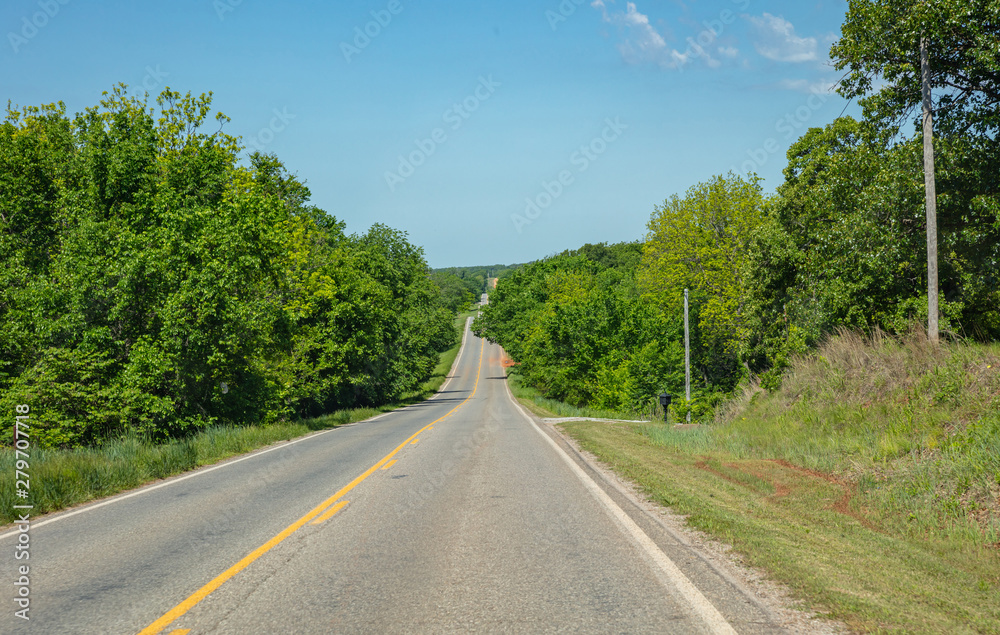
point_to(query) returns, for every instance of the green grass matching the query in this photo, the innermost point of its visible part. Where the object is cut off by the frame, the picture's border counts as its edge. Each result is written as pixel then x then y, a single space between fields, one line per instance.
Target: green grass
pixel 545 407
pixel 869 483
pixel 445 362
pixel 64 478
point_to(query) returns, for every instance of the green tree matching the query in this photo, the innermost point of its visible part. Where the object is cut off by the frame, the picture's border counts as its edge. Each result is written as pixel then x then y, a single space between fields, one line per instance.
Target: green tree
pixel 843 245
pixel 456 293
pixel 880 50
pixel 700 242
pixel 154 284
pixel 578 327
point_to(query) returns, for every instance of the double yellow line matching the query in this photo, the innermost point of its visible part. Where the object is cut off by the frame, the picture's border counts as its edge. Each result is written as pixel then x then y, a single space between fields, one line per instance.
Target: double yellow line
pixel 173 614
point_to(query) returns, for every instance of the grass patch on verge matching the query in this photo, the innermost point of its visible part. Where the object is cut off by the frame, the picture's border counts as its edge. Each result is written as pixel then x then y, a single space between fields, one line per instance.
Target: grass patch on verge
pixel 445 362
pixel 869 483
pixel 804 529
pixel 550 408
pixel 64 478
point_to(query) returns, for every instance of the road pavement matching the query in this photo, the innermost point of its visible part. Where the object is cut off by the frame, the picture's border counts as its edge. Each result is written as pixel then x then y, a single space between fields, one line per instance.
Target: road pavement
pixel 458 514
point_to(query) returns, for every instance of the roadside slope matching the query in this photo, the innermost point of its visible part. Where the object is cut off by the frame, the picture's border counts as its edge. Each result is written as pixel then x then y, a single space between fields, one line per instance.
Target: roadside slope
pixel 869 484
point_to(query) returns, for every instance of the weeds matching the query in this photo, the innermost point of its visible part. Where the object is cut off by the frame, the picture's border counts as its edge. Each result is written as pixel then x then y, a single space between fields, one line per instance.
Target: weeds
pixel 916 425
pixel 869 482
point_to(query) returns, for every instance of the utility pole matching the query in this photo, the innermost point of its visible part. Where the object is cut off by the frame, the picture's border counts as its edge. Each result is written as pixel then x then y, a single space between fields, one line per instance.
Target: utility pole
pixel 687 358
pixel 931 192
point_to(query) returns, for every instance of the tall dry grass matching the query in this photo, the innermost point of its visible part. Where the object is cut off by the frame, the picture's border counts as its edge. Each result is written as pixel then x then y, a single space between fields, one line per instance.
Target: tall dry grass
pixel 912 427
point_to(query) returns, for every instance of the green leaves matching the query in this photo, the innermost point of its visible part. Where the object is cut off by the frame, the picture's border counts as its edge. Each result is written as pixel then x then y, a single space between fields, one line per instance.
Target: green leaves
pixel 145 268
pixel 581 332
pixel 840 245
pixel 701 242
pixel 845 243
pixel 880 44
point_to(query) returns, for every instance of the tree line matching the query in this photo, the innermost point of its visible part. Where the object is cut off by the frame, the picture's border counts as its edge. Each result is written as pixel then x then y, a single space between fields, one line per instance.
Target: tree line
pixel 154 283
pixel 841 243
pixel 463 285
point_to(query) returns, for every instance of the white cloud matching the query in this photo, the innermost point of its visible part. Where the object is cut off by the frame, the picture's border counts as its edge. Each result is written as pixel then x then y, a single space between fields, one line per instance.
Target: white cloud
pixel 776 40
pixel 642 43
pixel 729 52
pixel 645 37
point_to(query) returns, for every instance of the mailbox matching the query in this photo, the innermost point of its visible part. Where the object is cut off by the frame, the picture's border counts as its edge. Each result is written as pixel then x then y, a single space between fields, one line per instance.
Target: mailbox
pixel 665 402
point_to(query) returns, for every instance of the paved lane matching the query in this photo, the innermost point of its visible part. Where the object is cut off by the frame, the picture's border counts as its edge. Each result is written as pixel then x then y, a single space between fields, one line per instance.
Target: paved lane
pixel 455 515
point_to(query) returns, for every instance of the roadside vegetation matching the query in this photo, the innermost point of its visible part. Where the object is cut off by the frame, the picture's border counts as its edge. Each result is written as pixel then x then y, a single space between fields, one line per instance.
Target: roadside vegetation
pixel 546 407
pixel 62 478
pixel 168 300
pixel 869 483
pixel 462 285
pixel 841 243
pixel 157 280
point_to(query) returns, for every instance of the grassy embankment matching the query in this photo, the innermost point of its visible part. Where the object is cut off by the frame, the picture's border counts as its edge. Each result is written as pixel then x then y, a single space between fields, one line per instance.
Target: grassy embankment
pixel 63 478
pixel 869 483
pixel 546 408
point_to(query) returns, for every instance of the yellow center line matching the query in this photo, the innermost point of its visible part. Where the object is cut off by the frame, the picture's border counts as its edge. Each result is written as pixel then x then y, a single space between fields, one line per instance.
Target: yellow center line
pixel 414 442
pixel 173 614
pixel 180 631
pixel 330 512
pixel 389 464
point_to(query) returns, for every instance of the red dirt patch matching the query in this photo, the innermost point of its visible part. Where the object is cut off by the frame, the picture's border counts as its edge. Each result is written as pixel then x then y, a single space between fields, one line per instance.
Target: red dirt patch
pixel 843 504
pixel 780 489
pixel 703 465
pixel 829 478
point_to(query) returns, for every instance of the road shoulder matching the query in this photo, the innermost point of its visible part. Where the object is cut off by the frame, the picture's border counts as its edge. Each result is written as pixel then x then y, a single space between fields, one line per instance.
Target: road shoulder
pixel 714 557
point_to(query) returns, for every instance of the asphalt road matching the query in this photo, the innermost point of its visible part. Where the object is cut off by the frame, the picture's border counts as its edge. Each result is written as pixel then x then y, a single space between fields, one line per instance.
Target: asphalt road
pixel 459 514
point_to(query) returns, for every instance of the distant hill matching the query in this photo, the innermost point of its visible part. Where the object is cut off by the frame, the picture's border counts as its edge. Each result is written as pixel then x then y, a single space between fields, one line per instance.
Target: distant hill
pixel 475 278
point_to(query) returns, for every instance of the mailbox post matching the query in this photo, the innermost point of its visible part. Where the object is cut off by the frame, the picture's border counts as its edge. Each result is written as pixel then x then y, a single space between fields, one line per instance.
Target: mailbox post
pixel 665 402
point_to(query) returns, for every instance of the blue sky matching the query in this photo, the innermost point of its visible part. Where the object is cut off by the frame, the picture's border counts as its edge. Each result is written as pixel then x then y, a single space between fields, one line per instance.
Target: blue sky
pixel 491 132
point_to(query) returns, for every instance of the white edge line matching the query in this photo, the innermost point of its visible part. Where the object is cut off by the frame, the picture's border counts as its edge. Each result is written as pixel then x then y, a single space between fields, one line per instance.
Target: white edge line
pixel 458 358
pixel 171 481
pixel 698 602
pixel 206 470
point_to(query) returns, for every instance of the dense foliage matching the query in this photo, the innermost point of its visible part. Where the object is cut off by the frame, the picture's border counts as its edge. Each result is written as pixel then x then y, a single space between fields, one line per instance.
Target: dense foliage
pixel 462 285
pixel 840 244
pixel 880 44
pixel 151 283
pixel 844 244
pixel 701 243
pixel 578 327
